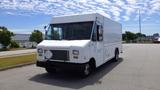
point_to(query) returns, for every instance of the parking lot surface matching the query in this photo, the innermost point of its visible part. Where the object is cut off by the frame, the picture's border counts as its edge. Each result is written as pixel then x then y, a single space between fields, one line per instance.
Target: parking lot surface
pixel 137 69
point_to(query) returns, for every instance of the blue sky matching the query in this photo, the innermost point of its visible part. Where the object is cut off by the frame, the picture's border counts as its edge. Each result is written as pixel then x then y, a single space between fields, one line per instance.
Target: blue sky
pixel 23 16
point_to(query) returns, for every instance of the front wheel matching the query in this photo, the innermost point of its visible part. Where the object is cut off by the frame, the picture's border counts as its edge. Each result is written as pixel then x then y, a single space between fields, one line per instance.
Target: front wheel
pixel 51 70
pixel 87 70
pixel 116 57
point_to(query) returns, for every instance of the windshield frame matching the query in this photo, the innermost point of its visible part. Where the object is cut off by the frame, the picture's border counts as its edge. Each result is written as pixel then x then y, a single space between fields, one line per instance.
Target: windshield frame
pixel 89 25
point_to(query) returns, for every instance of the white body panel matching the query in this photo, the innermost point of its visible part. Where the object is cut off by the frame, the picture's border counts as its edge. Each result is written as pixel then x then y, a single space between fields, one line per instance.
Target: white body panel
pixel 112 38
pixel 66 45
pixel 101 51
pixel 74 18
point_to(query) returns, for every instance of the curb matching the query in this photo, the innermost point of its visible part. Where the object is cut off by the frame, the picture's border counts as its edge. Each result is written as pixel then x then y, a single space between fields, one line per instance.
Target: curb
pixel 14 55
pixel 17 66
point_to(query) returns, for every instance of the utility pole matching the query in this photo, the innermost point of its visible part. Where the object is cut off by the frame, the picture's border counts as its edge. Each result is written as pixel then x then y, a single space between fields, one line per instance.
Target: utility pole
pixel 140 31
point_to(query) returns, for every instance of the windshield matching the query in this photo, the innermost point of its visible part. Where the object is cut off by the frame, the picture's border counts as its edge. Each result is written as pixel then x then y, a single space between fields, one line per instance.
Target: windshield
pixel 69 31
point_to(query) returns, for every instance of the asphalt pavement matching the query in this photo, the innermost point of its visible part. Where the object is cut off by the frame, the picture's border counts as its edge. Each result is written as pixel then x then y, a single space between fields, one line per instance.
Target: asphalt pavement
pixel 137 69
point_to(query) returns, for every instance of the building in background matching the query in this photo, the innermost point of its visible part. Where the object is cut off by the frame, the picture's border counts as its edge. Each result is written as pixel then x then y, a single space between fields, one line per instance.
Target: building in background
pixel 23 40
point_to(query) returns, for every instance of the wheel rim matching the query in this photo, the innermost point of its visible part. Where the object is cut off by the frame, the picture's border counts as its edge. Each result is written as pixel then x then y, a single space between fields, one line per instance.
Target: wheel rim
pixel 87 69
pixel 117 56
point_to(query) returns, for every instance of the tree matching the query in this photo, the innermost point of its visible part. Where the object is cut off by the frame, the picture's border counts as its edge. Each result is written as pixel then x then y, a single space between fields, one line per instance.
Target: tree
pixel 140 35
pixel 14 44
pixel 5 36
pixel 124 37
pixel 36 36
pixel 129 36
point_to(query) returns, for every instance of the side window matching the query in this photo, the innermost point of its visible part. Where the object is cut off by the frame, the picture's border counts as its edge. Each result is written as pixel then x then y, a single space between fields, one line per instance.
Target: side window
pixel 100 33
pixel 94 35
pixel 97 33
pixel 97 29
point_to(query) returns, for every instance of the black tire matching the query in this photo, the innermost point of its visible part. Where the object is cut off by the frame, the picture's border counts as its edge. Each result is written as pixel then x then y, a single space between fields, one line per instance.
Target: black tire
pixel 51 70
pixel 116 56
pixel 87 70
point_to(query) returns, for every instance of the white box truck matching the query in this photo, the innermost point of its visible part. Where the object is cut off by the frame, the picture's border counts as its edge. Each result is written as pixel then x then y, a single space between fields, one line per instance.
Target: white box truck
pixel 82 42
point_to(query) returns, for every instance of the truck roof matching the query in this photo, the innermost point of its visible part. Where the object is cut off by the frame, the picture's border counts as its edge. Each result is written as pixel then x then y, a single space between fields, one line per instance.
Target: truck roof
pixel 76 18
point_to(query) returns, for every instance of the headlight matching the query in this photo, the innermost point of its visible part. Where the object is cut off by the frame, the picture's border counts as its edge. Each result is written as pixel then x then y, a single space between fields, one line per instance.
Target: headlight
pixel 40 50
pixel 48 54
pixel 75 52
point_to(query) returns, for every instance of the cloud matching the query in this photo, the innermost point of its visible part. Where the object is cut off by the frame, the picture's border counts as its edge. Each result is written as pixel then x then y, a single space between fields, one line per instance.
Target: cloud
pixel 145 19
pixel 131 1
pixel 15 14
pixel 115 9
pixel 126 18
pixel 129 10
pixel 104 13
pixel 155 5
pixel 10 13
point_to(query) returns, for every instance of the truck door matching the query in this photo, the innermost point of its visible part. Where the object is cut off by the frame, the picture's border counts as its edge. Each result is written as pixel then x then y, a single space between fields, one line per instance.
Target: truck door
pixel 100 49
pixel 98 44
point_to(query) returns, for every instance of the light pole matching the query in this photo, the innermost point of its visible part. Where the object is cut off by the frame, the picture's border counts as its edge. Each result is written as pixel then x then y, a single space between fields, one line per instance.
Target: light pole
pixel 140 31
pixel 140 20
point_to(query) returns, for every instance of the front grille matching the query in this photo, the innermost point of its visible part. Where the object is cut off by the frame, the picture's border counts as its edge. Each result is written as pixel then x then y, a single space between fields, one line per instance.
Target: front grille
pixel 60 55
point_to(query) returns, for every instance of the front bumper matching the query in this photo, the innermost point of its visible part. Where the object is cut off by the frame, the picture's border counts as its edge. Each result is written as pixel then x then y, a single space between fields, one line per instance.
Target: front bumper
pixel 61 65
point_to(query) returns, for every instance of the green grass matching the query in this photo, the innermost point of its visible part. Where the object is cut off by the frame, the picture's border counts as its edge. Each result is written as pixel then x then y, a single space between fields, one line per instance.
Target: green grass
pixel 6 62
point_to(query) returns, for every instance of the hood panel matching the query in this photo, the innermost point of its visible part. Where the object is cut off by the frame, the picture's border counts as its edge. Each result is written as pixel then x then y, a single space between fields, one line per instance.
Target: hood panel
pixel 63 43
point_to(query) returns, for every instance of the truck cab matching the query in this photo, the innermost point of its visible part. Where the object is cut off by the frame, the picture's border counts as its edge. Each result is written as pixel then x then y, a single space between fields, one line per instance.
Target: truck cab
pixel 75 42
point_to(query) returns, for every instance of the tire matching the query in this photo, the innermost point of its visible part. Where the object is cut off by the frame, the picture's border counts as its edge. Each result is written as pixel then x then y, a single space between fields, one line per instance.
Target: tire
pixel 51 70
pixel 116 56
pixel 87 70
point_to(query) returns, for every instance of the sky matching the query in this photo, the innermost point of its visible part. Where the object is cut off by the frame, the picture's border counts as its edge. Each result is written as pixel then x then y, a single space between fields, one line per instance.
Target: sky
pixel 23 16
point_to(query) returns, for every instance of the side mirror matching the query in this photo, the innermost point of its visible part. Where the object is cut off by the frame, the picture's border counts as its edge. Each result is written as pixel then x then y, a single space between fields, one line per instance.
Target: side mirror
pixel 45 27
pixel 100 33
